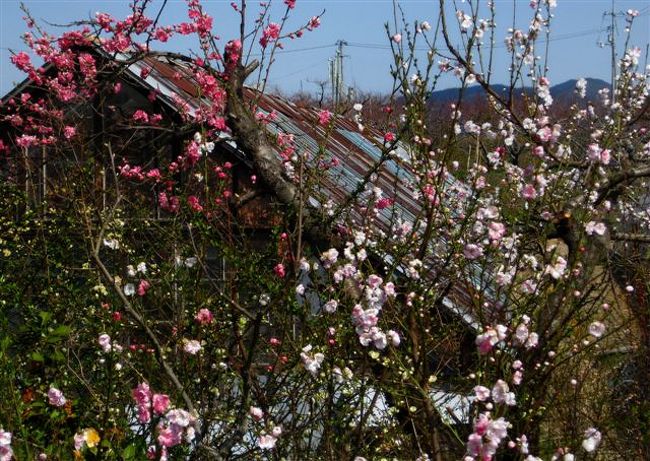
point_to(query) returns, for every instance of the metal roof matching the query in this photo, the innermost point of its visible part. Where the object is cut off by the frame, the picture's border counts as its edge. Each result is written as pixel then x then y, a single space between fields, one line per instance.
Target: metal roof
pixel 356 151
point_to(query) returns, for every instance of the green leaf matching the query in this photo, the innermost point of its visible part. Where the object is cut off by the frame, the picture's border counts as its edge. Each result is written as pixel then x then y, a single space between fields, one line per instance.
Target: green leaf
pixel 37 357
pixel 45 317
pixel 129 453
pixel 62 330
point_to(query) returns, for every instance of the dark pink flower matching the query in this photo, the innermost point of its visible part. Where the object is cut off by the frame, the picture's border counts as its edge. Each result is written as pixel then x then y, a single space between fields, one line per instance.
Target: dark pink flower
pixel 270 34
pixel 143 286
pixel 324 117
pixel 140 116
pixel 204 316
pixel 279 270
pixel 69 132
pixel 160 403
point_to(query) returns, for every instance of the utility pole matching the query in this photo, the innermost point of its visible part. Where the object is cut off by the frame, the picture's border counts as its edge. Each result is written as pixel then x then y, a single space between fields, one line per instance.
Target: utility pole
pixel 336 74
pixel 611 39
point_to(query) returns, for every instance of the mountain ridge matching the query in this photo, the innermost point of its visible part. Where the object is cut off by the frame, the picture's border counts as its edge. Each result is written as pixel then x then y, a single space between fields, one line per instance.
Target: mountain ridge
pixel 559 91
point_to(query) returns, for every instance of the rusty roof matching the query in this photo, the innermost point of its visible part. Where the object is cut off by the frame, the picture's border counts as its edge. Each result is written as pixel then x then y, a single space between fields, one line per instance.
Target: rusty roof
pixel 357 152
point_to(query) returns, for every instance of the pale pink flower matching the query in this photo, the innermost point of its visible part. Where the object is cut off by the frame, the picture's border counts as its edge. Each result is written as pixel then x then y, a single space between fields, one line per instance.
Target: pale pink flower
pixel 179 417
pixel 532 341
pixel 266 442
pixel 6 453
pixel 256 413
pixel 105 342
pixel 597 329
pixel 56 397
pixel 487 340
pixel 501 393
pixel 472 251
pixel 593 227
pixel 330 306
pixel 192 346
pixel 79 441
pixel 556 270
pixel 592 439
pixel 482 393
pixel 529 192
pixel 393 337
pixel 496 230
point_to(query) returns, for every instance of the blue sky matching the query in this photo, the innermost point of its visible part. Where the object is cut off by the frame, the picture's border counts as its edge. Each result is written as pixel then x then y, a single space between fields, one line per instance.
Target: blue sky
pixel 577 27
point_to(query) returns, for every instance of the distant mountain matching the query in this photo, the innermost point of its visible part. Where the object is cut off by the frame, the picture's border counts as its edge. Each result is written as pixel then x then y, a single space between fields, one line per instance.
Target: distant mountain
pixel 560 92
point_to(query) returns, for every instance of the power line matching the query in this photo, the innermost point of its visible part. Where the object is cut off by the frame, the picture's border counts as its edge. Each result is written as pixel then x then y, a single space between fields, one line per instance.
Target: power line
pixel 311 66
pixel 298 50
pixel 560 37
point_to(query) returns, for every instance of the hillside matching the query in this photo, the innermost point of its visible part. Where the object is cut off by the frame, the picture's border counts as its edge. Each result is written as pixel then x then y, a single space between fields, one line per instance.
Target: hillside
pixel 561 91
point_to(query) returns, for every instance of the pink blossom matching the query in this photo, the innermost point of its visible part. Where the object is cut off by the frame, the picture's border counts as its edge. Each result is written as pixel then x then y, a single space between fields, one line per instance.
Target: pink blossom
pixel 140 116
pixel 204 316
pixel 233 52
pixel 26 141
pixel 194 204
pixel 143 286
pixel 529 192
pixel 170 436
pixel 87 66
pixel 324 117
pixel 393 337
pixel 389 137
pixel 160 403
pixel 79 441
pixel 501 393
pixel 313 23
pixel 154 174
pixel 291 4
pixel 397 38
pixel 270 34
pixel 162 34
pixel 22 61
pixel 279 270
pixel 556 270
pixel 142 394
pixel 487 340
pixel 69 132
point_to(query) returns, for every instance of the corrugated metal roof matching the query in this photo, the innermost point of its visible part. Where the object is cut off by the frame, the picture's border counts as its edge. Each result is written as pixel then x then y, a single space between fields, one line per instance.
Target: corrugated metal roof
pixel 356 151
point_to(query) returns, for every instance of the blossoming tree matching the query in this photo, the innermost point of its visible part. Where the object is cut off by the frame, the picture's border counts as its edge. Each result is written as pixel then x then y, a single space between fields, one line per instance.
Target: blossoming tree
pixel 476 304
